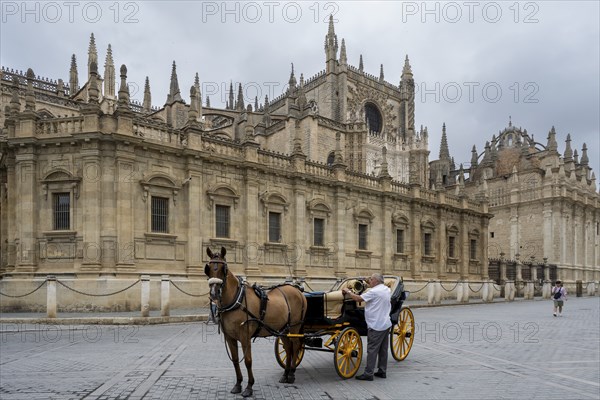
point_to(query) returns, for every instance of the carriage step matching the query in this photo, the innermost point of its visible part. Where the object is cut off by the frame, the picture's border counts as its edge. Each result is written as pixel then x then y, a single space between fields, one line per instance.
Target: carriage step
pixel 313 342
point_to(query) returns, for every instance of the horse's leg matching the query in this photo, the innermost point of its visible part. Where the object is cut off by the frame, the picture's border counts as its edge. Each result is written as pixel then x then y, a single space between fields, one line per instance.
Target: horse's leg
pixel 247 349
pixel 295 345
pixel 233 349
pixel 287 345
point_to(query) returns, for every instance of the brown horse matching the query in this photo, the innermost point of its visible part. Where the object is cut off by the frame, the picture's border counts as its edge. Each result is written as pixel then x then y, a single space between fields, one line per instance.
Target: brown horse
pixel 241 319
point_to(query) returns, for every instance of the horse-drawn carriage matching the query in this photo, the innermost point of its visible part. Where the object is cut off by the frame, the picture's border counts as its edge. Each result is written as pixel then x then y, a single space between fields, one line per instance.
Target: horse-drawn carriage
pixel 299 321
pixel 342 322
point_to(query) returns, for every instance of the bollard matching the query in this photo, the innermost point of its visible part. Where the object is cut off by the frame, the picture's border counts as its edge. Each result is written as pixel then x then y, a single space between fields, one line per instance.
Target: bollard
pixel 546 289
pixel 430 292
pixel 438 292
pixel 51 296
pixel 490 297
pixel 578 288
pixel 529 291
pixel 459 292
pixel 591 288
pixel 145 300
pixel 485 288
pixel 509 291
pixel 466 293
pixel 165 286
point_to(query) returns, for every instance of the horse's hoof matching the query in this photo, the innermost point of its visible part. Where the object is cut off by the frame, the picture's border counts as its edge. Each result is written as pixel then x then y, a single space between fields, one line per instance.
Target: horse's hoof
pixel 291 379
pixel 236 389
pixel 247 393
pixel 283 379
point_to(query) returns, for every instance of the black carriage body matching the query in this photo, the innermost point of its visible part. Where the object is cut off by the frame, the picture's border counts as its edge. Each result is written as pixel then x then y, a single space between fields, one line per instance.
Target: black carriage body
pixel 316 319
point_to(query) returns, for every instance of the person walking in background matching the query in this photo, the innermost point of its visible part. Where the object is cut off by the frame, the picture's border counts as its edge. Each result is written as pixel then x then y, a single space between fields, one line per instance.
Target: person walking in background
pixel 377 317
pixel 559 295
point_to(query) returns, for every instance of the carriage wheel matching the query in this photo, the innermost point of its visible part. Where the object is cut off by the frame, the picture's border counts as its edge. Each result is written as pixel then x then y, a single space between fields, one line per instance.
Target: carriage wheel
pixel 347 353
pixel 402 334
pixel 281 355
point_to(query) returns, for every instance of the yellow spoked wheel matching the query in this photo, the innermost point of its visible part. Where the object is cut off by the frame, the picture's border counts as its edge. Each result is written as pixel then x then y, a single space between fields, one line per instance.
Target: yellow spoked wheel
pixel 402 334
pixel 281 354
pixel 347 353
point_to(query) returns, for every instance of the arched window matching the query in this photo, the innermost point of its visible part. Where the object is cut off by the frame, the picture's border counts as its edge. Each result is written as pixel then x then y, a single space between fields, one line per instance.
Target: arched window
pixel 373 118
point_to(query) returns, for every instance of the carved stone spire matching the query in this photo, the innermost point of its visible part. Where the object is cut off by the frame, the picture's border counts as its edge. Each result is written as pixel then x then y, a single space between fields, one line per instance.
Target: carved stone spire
pixel 147 103
pixel 292 81
pixel 29 94
pixel 384 172
pixel 338 159
pixel 93 84
pixel 584 157
pixel 230 105
pixel 73 76
pixel 360 64
pixel 551 145
pixel 331 47
pixel 109 75
pixel 193 111
pixel 407 92
pixel 444 152
pixel 343 58
pixel 239 105
pixel 198 95
pixel 255 103
pixel 123 91
pixel 568 155
pixel 15 101
pixel 474 156
pixel 381 73
pixel 174 93
pixel 576 157
pixel 407 70
pixel 207 101
pixel 92 54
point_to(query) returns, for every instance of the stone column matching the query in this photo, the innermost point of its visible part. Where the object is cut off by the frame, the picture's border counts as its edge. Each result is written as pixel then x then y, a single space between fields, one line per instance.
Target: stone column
pixel 502 268
pixel 519 277
pixel 165 296
pixel 300 245
pixel 91 199
pixel 509 290
pixel 196 203
pixel 145 299
pixel 340 232
pixel 27 209
pixel 415 265
pixel 443 246
pixel 125 167
pixel 388 246
pixel 253 222
pixel 548 232
pixel 51 296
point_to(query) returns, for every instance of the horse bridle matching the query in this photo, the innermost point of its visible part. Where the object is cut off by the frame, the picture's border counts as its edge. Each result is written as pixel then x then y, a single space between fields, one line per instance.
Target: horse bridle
pixel 240 290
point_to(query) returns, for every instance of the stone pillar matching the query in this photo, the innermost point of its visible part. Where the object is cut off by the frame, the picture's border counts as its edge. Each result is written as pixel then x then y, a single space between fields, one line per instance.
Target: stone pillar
pixel 548 230
pixel 299 256
pixel 466 291
pixel 438 292
pixel 415 265
pixel 431 292
pixel 502 268
pixel 459 292
pixel 492 291
pixel 340 232
pixel 591 289
pixel 388 246
pixel 509 291
pixel 27 207
pixel 546 270
pixel 546 289
pixel 51 296
pixel 519 278
pixel 165 296
pixel 91 197
pixel 125 164
pixel 145 299
pixel 443 245
pixel 253 221
pixel 196 203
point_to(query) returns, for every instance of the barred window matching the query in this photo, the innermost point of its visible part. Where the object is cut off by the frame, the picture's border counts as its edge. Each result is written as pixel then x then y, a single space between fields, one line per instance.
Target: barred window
pixel 274 227
pixel 451 242
pixel 222 221
pixel 399 241
pixel 427 244
pixel 319 231
pixel 160 214
pixel 362 236
pixel 473 249
pixel 62 211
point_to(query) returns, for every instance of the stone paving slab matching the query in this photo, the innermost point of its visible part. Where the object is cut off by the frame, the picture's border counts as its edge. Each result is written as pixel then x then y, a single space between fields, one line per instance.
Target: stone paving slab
pixel 487 351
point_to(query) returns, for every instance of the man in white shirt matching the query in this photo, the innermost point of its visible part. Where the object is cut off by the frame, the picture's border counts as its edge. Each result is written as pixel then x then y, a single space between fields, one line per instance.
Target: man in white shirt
pixel 377 317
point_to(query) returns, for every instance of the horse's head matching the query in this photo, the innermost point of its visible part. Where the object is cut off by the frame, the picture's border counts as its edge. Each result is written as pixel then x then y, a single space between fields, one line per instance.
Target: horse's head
pixel 216 270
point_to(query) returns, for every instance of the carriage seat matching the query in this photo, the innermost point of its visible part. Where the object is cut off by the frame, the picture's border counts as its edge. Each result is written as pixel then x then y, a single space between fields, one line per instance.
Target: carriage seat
pixel 333 301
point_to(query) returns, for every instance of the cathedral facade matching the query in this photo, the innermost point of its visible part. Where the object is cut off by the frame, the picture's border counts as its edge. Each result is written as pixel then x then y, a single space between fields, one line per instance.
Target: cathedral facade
pixel 545 205
pixel 331 179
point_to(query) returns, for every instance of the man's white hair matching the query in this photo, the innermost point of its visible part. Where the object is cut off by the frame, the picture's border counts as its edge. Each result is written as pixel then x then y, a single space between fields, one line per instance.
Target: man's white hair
pixel 378 277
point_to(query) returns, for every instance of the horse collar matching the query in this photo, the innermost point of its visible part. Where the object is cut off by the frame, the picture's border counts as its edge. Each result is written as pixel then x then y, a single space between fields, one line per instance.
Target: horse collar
pixel 238 299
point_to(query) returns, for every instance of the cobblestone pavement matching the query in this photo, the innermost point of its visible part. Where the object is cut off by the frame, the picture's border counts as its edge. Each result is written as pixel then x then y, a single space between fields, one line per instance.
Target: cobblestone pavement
pixel 487 351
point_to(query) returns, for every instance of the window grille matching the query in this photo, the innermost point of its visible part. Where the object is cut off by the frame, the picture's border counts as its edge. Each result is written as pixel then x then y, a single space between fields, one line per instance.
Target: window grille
pixel 319 231
pixel 160 214
pixel 274 227
pixel 399 241
pixel 362 236
pixel 222 221
pixel 62 211
pixel 427 244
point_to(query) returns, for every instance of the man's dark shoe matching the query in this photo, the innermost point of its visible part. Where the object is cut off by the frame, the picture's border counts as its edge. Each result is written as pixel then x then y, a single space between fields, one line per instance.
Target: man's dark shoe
pixel 380 374
pixel 364 377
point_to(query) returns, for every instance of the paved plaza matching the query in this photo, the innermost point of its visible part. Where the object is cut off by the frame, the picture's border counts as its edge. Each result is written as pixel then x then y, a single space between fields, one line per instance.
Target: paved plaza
pixel 512 350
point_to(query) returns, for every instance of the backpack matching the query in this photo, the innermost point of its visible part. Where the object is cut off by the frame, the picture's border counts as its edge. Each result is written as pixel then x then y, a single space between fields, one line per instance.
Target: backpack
pixel 557 294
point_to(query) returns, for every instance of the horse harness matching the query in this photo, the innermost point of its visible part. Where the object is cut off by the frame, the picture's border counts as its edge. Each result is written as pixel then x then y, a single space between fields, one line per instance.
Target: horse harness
pixel 240 298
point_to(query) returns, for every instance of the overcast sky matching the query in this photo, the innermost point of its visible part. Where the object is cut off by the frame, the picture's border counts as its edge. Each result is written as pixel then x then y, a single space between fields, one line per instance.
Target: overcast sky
pixel 474 63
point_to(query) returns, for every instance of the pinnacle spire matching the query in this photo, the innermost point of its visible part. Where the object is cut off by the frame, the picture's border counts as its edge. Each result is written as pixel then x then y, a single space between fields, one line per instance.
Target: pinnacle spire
pixel 230 105
pixel 207 101
pixel 568 155
pixel 584 157
pixel 123 91
pixel 147 103
pixel 381 73
pixel 474 156
pixel 551 145
pixel 343 58
pixel 407 70
pixel 360 64
pixel 109 74
pixel 444 152
pixel 239 105
pixel 174 93
pixel 73 76
pixel 331 47
pixel 292 81
pixel 92 54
